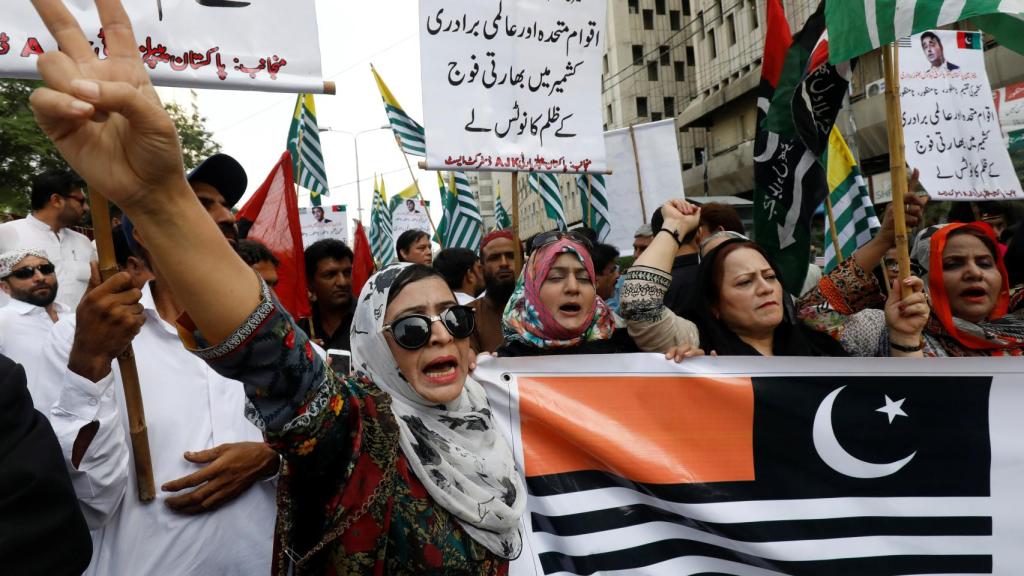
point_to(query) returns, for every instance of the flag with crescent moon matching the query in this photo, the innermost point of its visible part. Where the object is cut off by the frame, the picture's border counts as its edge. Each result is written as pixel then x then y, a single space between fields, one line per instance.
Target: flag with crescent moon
pixel 763 466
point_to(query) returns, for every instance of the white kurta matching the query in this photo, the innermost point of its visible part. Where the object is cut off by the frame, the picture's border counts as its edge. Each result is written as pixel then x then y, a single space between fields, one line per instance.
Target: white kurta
pixel 70 251
pixel 24 329
pixel 189 407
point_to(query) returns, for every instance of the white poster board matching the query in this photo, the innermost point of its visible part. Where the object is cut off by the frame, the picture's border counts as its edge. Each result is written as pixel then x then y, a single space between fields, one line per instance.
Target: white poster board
pixel 950 125
pixel 238 45
pixel 513 85
pixel 660 171
pixel 407 215
pixel 320 222
pixel 1010 103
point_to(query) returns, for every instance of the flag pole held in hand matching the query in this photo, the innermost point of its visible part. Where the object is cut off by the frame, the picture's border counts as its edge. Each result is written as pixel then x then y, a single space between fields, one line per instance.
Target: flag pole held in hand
pixel 126 361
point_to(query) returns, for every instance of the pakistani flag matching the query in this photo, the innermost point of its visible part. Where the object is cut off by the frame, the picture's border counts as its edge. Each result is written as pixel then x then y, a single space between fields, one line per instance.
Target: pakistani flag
pixel 380 227
pixel 595 204
pixel 856 222
pixel 789 183
pixel 408 132
pixel 501 218
pixel 465 229
pixel 859 26
pixel 546 184
pixel 304 146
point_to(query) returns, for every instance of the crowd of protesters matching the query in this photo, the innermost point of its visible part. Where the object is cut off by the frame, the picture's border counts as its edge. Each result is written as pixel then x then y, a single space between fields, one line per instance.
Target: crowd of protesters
pixel 266 457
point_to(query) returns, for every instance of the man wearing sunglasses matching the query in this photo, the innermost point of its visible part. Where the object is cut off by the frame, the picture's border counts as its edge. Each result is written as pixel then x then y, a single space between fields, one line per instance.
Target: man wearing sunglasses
pixel 58 203
pixel 29 278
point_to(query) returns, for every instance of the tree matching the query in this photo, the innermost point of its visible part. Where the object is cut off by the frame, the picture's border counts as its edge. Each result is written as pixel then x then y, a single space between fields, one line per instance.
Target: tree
pixel 25 150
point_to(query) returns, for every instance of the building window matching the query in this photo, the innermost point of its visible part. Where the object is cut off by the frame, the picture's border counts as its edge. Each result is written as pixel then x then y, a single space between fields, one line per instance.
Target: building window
pixel 730 29
pixel 712 48
pixel 686 7
pixel 670 106
pixel 648 19
pixel 652 71
pixel 638 54
pixel 753 14
pixel 611 118
pixel 655 116
pixel 665 54
pixel 634 6
pixel 680 70
pixel 659 7
pixel 698 155
pixel 690 58
pixel 721 9
pixel 674 20
pixel 700 24
pixel 641 106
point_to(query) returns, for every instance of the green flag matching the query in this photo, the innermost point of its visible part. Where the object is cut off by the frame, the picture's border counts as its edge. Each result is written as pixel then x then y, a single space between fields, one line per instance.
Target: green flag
pixel 304 146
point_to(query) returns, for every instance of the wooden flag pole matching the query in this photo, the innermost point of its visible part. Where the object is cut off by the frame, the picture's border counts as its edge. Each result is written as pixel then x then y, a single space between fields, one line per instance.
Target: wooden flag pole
pixel 639 178
pixel 832 230
pixel 515 222
pixel 126 361
pixel 416 183
pixel 897 160
pixel 590 202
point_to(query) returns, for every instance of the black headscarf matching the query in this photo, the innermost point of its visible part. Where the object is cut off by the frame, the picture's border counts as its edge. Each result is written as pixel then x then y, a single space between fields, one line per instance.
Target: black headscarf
pixel 791 337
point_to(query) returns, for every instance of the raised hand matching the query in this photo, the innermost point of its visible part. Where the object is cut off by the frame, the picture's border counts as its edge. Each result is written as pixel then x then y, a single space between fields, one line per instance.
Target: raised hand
pixel 907 317
pixel 682 215
pixel 104 115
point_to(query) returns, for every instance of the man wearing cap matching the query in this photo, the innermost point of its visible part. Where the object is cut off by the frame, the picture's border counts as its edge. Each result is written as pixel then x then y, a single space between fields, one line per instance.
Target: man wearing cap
pixel 29 278
pixel 215 509
pixel 498 255
pixel 58 203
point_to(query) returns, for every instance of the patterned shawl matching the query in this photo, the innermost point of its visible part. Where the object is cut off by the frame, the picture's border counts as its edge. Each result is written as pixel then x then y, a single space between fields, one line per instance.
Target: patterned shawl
pixel 455 451
pixel 527 320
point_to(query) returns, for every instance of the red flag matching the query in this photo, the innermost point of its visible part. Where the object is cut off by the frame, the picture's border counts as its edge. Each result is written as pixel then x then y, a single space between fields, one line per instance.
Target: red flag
pixel 362 263
pixel 274 213
pixel 776 43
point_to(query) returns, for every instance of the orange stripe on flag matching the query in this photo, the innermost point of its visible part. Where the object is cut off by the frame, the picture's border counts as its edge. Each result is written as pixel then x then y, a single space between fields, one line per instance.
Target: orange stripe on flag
pixel 656 430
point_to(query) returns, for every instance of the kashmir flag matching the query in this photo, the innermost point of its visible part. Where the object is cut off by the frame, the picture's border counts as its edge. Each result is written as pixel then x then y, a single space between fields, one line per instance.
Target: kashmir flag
pixel 410 135
pixel 381 242
pixel 446 213
pixel 789 183
pixel 546 185
pixel 760 467
pixel 273 212
pixel 859 26
pixel 362 260
pixel 856 221
pixel 465 229
pixel 501 218
pixel 304 146
pixel 594 201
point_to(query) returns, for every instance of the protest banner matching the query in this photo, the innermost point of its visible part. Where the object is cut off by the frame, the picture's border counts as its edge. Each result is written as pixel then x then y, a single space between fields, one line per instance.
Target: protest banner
pixel 950 124
pixel 190 43
pixel 764 466
pixel 513 85
pixel 320 222
pixel 408 213
pixel 1010 104
pixel 656 153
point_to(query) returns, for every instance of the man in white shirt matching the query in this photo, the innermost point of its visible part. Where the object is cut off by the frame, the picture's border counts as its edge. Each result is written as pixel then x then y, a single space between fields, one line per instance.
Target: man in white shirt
pixel 28 277
pixel 462 271
pixel 215 506
pixel 58 202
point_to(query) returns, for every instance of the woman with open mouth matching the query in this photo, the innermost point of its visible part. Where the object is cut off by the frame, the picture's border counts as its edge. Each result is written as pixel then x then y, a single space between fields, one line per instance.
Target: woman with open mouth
pixel 969 289
pixel 555 308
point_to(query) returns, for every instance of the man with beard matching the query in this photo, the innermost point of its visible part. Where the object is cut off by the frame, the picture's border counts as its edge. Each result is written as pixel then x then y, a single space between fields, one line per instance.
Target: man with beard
pixel 498 254
pixel 58 202
pixel 329 276
pixel 30 279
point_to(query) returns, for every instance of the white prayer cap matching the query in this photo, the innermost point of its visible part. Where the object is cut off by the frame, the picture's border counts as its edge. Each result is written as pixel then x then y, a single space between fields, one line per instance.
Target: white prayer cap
pixel 10 259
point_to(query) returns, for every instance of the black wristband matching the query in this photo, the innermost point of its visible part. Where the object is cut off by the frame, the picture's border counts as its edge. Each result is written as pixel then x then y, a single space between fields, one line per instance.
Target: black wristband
pixel 901 348
pixel 675 236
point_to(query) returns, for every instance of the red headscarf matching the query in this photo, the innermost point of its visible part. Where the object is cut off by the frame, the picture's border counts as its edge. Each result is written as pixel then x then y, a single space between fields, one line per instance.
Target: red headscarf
pixel 937 287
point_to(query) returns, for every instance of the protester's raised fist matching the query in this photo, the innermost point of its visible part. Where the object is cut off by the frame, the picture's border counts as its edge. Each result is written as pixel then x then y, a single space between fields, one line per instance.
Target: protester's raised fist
pixel 913 208
pixel 103 115
pixel 680 215
pixel 906 317
pixel 107 319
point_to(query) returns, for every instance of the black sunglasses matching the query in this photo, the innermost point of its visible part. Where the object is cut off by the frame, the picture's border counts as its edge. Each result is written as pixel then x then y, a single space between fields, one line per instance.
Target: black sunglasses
pixel 412 332
pixel 29 271
pixel 545 238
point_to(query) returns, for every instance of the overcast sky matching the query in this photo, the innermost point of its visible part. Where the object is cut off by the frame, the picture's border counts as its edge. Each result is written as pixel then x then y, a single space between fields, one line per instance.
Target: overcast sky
pixel 253 127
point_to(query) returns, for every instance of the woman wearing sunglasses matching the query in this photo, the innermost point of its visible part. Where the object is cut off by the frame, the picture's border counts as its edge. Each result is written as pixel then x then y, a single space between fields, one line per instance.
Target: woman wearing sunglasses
pixel 555 308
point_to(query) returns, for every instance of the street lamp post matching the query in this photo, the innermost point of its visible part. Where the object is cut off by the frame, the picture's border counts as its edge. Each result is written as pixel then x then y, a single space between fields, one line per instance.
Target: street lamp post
pixel 355 145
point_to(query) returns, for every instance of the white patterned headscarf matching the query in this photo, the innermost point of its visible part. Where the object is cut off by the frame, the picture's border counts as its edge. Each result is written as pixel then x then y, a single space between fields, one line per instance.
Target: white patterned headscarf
pixel 454 449
pixel 11 258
